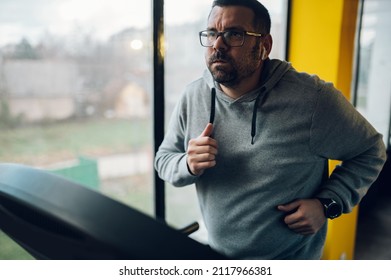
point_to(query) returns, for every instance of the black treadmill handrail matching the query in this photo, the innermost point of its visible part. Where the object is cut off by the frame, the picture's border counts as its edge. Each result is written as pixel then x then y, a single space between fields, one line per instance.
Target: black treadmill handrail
pixel 54 218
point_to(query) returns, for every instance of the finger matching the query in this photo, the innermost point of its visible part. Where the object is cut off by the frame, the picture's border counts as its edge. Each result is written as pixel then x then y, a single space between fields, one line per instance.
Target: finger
pixel 299 225
pixel 292 219
pixel 288 207
pixel 204 164
pixel 207 149
pixel 202 147
pixel 207 131
pixel 202 157
pixel 203 141
pixel 207 141
pixel 198 168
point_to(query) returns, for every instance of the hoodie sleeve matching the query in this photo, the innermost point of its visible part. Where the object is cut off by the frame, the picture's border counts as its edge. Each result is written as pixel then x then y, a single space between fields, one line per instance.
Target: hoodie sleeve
pixel 170 159
pixel 340 132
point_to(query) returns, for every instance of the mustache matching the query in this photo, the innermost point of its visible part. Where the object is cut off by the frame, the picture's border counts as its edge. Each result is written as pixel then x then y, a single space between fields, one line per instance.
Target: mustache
pixel 219 56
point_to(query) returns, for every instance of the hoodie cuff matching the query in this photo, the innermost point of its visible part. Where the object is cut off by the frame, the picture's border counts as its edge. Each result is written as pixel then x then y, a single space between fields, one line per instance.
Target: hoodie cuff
pixel 329 194
pixel 185 175
pixel 188 169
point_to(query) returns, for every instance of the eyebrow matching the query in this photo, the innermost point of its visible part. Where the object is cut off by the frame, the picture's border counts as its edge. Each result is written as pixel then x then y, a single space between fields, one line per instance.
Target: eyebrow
pixel 229 28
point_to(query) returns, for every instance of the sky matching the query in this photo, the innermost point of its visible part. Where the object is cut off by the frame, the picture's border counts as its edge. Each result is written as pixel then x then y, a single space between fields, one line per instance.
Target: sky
pixel 31 18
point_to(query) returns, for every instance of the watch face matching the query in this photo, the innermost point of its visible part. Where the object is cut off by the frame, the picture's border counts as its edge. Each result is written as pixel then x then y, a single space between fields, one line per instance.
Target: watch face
pixel 333 210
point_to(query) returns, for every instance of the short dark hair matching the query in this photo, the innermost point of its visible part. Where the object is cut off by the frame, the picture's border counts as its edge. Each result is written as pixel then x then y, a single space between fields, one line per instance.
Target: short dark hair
pixel 262 20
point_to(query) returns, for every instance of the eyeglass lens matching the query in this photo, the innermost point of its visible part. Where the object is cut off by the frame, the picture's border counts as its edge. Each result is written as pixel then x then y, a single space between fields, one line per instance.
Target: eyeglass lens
pixel 231 38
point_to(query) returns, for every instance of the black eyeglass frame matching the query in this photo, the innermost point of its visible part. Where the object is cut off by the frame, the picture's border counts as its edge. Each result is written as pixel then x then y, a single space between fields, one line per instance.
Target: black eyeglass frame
pixel 222 33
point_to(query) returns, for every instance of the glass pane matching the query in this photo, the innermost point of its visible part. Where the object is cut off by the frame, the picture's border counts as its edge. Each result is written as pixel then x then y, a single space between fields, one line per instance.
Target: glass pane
pixel 185 63
pixel 76 94
pixel 373 93
pixel 373 100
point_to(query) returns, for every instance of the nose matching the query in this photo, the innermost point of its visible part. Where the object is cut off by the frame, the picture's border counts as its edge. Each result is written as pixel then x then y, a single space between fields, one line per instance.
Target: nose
pixel 219 44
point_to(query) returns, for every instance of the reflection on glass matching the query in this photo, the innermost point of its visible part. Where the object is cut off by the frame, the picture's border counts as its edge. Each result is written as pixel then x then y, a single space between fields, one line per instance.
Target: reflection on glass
pixel 76 94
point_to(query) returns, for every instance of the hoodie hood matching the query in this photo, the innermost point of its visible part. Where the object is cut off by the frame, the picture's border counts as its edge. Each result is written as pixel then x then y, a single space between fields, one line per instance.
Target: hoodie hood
pixel 272 72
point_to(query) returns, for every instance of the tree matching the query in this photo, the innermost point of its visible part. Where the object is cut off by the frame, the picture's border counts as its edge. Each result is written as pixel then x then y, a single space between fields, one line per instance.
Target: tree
pixel 24 50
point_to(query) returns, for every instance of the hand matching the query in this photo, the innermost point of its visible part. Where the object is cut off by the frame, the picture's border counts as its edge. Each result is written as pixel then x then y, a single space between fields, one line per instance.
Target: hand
pixel 304 216
pixel 202 151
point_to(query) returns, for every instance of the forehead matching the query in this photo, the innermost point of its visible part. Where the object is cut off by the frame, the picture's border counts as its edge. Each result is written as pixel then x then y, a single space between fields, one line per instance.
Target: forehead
pixel 222 18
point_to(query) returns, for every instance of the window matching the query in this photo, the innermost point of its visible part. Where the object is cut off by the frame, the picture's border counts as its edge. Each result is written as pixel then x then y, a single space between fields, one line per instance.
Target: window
pixel 76 95
pixel 372 95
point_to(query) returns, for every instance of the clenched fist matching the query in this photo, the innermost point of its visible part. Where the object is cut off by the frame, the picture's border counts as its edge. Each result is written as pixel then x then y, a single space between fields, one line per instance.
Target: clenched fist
pixel 202 151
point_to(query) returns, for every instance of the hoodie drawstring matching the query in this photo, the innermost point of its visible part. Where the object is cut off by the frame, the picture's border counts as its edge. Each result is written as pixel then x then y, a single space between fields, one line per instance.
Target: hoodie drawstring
pixel 254 120
pixel 255 110
pixel 212 106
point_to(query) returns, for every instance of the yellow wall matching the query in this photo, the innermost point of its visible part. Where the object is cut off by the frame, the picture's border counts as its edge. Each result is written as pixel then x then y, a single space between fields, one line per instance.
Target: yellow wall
pixel 322 42
pixel 322 39
pixel 314 41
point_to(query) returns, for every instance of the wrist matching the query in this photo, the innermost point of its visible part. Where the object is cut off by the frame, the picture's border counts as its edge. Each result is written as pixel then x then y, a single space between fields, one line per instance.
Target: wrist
pixel 331 208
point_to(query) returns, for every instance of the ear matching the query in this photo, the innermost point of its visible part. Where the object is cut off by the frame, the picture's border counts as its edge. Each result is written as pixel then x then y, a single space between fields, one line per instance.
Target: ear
pixel 266 46
pixel 264 53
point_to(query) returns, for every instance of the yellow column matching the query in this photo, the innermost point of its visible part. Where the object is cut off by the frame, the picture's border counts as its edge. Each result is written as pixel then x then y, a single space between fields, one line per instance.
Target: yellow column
pixel 322 42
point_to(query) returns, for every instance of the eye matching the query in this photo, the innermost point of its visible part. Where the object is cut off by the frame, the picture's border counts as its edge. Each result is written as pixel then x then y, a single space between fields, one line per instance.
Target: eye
pixel 234 35
pixel 210 34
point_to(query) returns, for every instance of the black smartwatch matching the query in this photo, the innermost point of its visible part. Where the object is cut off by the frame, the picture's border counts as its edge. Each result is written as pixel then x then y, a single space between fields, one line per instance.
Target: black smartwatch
pixel 332 209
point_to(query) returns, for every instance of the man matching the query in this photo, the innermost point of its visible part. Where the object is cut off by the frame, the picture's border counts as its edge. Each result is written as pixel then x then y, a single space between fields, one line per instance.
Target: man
pixel 259 168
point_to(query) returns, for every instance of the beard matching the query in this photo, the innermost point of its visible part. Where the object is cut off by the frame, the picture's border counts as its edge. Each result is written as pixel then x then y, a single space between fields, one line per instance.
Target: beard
pixel 232 72
pixel 226 74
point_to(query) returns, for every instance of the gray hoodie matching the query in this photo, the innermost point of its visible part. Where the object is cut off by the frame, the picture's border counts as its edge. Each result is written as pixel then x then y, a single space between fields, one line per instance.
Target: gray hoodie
pixel 274 143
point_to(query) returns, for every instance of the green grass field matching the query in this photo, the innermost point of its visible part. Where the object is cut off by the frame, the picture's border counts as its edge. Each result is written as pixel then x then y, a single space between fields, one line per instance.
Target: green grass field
pixel 9 250
pixel 45 144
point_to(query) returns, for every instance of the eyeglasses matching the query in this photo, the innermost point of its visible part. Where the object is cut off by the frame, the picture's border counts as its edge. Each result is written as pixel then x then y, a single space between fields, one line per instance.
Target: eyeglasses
pixel 232 38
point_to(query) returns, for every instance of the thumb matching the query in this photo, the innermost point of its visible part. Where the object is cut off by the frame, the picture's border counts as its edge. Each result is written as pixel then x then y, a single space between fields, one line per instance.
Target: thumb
pixel 207 131
pixel 288 207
